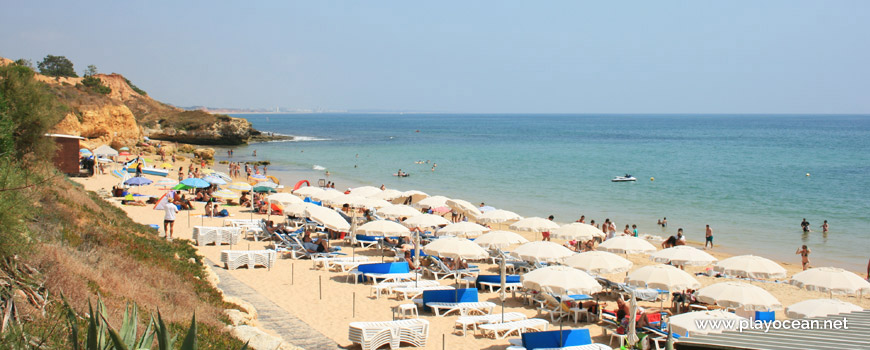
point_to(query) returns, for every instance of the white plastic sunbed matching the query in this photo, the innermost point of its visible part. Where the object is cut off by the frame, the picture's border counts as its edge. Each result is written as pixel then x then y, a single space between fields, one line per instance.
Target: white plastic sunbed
pixel 387 287
pixel 575 347
pixel 331 262
pixel 464 309
pixel 501 330
pixel 464 321
pixel 372 335
pixel 218 235
pixel 233 259
pixel 411 292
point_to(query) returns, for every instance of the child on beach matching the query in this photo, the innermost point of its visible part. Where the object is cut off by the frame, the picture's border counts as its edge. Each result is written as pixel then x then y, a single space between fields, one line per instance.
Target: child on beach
pixel 805 256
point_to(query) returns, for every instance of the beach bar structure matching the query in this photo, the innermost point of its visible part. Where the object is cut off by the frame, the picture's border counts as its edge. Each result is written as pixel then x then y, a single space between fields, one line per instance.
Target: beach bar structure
pixel 66 158
pixel 857 336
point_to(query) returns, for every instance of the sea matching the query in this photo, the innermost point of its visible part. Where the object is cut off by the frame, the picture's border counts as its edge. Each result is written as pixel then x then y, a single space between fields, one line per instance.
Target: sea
pixel 752 178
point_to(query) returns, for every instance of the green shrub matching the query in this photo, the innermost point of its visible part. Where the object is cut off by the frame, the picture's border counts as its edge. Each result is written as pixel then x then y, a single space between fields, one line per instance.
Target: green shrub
pixel 135 88
pixel 96 85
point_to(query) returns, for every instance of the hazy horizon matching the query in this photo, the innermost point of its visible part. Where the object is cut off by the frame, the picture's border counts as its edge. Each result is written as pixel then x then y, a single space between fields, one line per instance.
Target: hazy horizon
pixel 741 57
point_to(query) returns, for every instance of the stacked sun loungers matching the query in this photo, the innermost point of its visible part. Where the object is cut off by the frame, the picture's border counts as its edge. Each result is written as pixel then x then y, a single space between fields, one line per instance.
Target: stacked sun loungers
pixel 372 335
pixel 234 259
pixel 464 322
pixel 218 235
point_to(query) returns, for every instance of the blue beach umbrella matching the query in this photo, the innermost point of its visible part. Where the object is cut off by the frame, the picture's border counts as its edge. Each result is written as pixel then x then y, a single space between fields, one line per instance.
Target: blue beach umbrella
pixel 214 180
pixel 195 182
pixel 137 181
pixel 85 151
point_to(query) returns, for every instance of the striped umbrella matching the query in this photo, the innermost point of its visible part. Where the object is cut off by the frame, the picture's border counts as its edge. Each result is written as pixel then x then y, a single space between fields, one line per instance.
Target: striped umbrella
pixel 240 186
pixel 225 194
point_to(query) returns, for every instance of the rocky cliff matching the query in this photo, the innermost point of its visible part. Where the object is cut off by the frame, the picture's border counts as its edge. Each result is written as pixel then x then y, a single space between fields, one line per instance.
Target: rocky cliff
pixel 124 116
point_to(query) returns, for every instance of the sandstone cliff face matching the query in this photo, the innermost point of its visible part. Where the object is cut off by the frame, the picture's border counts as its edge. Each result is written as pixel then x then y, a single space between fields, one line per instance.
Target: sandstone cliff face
pixel 112 125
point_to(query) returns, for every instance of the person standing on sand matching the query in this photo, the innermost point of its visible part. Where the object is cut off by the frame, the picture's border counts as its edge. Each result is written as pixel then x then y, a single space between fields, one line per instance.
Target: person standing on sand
pixel 546 234
pixel 805 256
pixel 169 220
pixel 709 237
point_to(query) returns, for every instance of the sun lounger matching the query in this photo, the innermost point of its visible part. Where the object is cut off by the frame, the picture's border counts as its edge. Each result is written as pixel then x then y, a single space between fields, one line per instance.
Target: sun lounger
pixel 464 322
pixel 372 335
pixel 568 339
pixel 440 268
pixel 464 309
pixel 493 282
pixel 501 330
pixel 218 235
pixel 329 262
pixel 411 292
pixel 387 272
pixel 387 287
pixel 234 259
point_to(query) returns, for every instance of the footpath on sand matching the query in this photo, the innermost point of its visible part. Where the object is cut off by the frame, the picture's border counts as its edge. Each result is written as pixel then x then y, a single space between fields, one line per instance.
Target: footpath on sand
pixel 272 316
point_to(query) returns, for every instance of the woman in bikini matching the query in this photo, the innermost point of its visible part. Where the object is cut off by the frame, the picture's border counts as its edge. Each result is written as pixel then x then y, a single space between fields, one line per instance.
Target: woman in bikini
pixel 805 256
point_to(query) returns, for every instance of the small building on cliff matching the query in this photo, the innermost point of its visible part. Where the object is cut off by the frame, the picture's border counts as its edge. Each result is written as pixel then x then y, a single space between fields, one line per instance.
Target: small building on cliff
pixel 66 158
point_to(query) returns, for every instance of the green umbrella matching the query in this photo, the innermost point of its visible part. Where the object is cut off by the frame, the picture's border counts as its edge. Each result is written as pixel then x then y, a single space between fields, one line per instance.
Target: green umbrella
pixel 262 189
pixel 181 186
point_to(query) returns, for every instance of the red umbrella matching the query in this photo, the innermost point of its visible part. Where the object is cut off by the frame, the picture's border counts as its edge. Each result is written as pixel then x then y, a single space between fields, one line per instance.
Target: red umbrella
pixel 441 210
pixel 125 153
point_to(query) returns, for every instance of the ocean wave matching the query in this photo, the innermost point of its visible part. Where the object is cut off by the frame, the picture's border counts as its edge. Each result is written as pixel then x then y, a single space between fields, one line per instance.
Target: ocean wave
pixel 318 167
pixel 296 138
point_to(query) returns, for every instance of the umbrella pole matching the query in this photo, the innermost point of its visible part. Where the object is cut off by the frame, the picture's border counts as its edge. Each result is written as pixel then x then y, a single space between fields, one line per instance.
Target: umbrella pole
pixel 503 272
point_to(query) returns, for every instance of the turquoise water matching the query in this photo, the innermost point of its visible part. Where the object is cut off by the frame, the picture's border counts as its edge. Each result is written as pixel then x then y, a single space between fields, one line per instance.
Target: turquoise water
pixel 743 175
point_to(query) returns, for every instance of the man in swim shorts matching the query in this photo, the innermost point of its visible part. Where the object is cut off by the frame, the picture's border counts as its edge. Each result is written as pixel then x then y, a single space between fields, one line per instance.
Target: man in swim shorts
pixel 709 237
pixel 546 234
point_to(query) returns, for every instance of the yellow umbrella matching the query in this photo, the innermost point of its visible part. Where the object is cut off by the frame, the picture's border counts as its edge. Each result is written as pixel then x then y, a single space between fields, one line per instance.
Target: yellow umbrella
pixel 226 194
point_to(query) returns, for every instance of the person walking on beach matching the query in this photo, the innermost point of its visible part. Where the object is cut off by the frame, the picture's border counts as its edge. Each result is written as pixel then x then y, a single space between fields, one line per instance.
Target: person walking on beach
pixel 169 220
pixel 709 237
pixel 546 234
pixel 825 227
pixel 805 256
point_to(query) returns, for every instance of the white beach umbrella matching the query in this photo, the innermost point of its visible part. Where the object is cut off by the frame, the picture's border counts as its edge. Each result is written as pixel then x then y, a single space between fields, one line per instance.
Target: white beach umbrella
pixel 467 229
pixel 739 295
pixel 561 280
pixel 268 184
pixel 578 231
pixel 464 207
pixel 326 195
pixel 750 266
pixel 426 220
pixel 308 191
pixel 398 211
pixel 105 150
pixel 534 224
pixel 819 308
pixel 415 195
pixel 598 262
pixel 688 322
pixel 831 279
pixel 498 216
pixel 383 228
pixel 240 186
pixel 453 247
pixel 664 277
pixel 683 255
pixel 166 182
pixel 342 199
pixel 499 239
pixel 329 218
pixel 432 202
pixel 283 198
pixel 626 245
pixel 542 251
pixel 370 203
pixel 387 195
pixel 298 209
pixel 365 191
pixel 225 194
pixel 223 176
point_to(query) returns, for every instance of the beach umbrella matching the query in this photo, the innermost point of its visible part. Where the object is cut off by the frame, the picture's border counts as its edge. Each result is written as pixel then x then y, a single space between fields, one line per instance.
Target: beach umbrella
pixel 387 195
pixel 499 239
pixel 349 199
pixel 750 266
pixel 383 228
pixel 240 186
pixel 206 171
pixel 398 211
pixel 85 151
pixel 464 207
pixel 166 183
pixel 326 194
pixel 222 176
pixel 486 208
pixel 626 245
pixel 263 189
pixel 467 229
pixel 598 262
pixel 561 280
pixel 819 308
pixel 298 209
pixel 664 277
pixel 453 247
pixel 137 181
pixel 329 218
pixel 124 153
pixel 432 202
pixel 214 180
pixel 308 191
pixel 225 194
pixel 414 195
pixel 167 166
pixel 365 191
pixel 284 198
pixel 376 203
pixel 738 295
pixel 577 231
pixel 683 255
pixel 497 216
pixel 542 251
pixel 195 182
pixel 441 210
pixel 125 148
pixel 534 224
pixel 426 220
pixel 833 280
pixel 687 323
pixel 258 177
pixel 105 150
pixel 631 338
pixel 182 186
pixel 268 184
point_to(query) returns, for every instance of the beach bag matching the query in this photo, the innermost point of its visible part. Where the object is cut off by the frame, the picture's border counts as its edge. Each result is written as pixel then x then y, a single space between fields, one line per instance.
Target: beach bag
pixel 223 213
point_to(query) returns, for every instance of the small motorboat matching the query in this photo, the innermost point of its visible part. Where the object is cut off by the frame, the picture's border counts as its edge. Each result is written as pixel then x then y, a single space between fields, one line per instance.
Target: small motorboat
pixel 625 178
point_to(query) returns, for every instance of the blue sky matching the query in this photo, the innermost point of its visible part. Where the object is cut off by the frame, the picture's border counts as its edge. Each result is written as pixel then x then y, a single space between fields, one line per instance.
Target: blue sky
pixel 467 56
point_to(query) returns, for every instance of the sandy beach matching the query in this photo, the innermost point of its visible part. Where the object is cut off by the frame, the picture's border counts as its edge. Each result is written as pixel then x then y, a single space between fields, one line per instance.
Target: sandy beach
pixel 327 302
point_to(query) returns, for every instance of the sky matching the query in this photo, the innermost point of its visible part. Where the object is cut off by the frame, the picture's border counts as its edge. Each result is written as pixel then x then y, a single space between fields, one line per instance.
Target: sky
pixel 791 56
